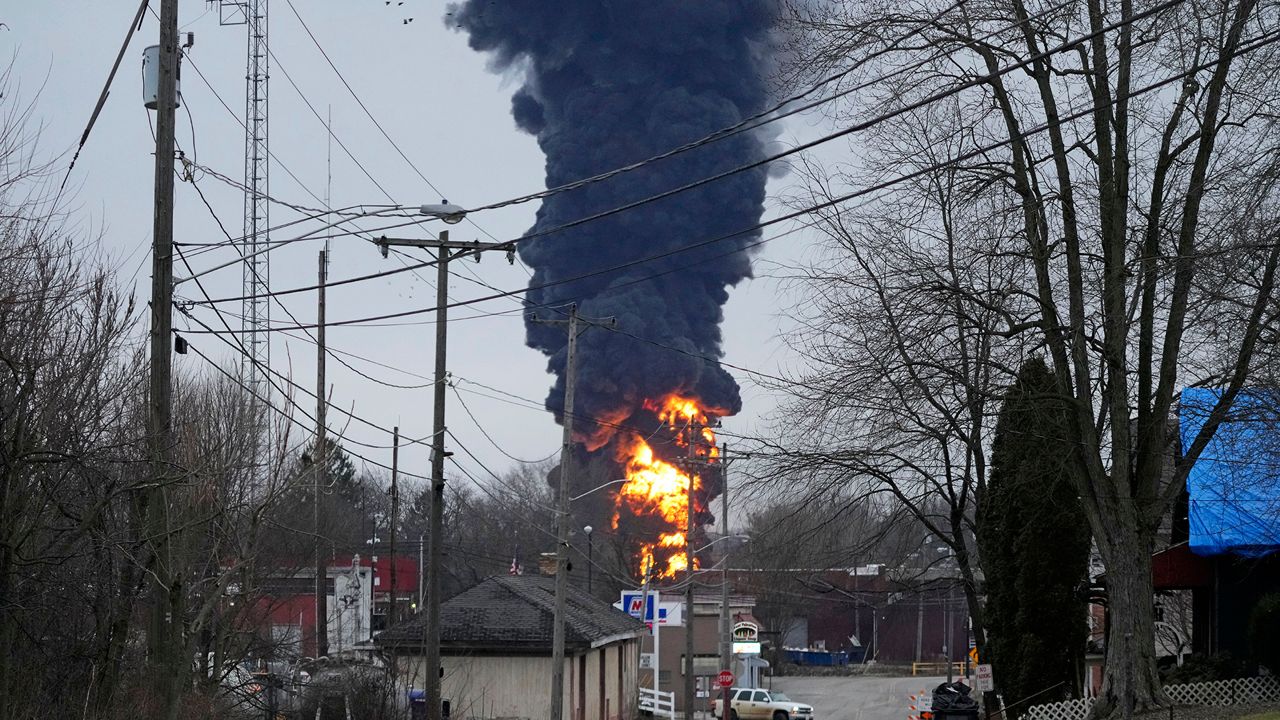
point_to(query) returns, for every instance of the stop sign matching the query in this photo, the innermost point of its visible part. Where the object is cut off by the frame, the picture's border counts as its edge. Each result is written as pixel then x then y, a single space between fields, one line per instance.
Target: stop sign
pixel 725 678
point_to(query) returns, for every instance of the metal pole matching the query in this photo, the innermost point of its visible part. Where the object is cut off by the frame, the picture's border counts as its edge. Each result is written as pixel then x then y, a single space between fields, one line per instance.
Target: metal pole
pixel 160 421
pixel 421 545
pixel 321 459
pixel 395 518
pixel 435 529
pixel 562 523
pixel 919 624
pixel 644 610
pixel 726 647
pixel 946 643
pixel 591 552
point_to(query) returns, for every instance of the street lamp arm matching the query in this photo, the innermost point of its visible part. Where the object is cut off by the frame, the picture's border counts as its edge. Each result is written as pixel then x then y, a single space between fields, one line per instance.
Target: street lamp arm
pixel 601 487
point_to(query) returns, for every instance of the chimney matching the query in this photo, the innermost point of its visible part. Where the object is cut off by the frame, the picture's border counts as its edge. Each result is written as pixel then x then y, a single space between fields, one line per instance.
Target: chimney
pixel 547 563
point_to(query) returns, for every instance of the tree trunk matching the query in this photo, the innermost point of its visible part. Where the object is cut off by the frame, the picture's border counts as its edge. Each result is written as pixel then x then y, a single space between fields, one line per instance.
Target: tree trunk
pixel 1130 682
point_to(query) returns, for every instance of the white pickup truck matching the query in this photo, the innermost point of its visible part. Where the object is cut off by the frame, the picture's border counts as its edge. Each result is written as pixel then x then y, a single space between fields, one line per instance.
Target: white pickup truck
pixel 756 704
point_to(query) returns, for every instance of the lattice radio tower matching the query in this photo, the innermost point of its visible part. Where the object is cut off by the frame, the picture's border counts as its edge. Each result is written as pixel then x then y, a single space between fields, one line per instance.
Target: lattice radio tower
pixel 257 267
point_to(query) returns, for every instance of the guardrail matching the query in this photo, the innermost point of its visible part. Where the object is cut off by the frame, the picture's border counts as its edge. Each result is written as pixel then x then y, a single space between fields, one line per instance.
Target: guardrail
pixel 657 702
pixel 936 668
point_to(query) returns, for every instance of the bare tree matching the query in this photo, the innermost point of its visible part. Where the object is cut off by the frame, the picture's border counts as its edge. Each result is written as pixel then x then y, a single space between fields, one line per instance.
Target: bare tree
pixel 903 330
pixel 1124 155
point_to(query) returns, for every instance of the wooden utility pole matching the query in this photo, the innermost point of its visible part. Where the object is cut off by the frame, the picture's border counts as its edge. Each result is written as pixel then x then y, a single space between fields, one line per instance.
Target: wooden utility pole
pixel 446 250
pixel 321 460
pixel 691 469
pixel 167 592
pixel 726 647
pixel 395 517
pixel 562 508
pixel 562 522
pixel 726 631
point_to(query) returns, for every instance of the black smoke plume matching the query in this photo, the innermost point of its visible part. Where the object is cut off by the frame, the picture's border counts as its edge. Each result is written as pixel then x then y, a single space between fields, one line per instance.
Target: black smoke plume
pixel 607 83
pixel 611 82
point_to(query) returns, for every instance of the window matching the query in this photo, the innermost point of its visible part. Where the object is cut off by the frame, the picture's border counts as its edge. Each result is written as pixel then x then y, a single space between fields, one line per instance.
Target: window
pixel 761 696
pixel 742 696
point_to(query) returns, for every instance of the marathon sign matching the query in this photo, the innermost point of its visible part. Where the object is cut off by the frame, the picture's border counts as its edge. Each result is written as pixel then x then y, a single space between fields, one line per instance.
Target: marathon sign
pixel 633 603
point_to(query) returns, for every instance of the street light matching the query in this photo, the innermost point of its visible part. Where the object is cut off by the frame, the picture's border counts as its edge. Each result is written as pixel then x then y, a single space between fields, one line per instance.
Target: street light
pixel 444 210
pixel 590 551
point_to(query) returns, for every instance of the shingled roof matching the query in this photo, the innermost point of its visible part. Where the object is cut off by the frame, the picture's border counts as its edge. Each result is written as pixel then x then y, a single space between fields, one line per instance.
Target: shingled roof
pixel 514 614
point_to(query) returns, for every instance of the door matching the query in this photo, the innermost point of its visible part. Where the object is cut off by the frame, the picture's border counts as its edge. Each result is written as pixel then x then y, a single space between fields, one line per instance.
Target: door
pixel 760 705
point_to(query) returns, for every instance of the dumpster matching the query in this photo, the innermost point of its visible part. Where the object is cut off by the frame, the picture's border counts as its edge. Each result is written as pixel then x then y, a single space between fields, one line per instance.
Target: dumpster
pixel 952 701
pixel 816 657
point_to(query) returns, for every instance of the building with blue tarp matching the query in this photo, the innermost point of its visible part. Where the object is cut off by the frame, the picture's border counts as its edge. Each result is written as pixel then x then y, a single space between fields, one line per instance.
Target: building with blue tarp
pixel 1233 490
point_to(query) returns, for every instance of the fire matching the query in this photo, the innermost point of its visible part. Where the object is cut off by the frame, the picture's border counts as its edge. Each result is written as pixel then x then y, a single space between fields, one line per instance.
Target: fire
pixel 659 489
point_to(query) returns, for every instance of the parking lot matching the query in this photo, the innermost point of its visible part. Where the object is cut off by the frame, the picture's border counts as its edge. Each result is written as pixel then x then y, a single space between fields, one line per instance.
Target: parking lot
pixel 855 698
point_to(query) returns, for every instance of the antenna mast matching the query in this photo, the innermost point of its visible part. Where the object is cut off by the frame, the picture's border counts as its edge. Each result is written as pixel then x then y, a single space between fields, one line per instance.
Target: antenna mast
pixel 257 266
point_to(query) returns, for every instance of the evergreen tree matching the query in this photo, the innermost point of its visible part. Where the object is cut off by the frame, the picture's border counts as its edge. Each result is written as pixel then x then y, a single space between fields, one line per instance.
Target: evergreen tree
pixel 341 476
pixel 1034 542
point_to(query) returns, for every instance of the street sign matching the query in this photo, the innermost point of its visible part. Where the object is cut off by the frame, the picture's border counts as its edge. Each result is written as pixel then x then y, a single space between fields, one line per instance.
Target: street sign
pixel 725 679
pixel 646 661
pixel 985 681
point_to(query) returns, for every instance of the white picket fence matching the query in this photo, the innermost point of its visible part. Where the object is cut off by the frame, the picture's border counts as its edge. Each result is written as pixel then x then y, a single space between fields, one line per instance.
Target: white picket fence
pixel 1217 692
pixel 657 702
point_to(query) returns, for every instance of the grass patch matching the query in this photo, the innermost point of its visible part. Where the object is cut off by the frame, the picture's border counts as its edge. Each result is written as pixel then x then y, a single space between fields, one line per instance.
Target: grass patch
pixel 1275 715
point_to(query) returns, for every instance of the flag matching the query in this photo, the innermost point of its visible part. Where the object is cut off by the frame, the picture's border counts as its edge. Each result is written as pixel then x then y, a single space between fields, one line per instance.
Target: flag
pixel 516 569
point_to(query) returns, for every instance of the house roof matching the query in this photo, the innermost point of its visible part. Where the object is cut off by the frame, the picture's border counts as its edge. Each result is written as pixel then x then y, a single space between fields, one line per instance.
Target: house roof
pixel 514 614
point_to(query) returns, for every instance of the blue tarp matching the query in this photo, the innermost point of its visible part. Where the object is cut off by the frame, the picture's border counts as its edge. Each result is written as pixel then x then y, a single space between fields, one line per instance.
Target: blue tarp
pixel 1234 487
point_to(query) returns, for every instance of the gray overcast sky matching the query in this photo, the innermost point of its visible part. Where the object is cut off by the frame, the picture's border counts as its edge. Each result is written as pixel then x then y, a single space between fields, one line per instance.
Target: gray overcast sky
pixel 435 98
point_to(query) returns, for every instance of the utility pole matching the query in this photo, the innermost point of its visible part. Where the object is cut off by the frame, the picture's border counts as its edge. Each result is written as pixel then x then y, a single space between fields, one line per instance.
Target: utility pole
pixel 562 522
pixel 166 593
pixel 726 647
pixel 726 630
pixel 395 517
pixel 694 434
pixel 320 458
pixel 446 250
pixel 562 508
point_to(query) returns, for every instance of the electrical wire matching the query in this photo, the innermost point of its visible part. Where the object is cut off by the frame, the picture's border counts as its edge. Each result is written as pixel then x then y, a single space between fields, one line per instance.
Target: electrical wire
pixel 315 41
pixel 771 114
pixel 974 81
pixel 487 436
pixel 1249 46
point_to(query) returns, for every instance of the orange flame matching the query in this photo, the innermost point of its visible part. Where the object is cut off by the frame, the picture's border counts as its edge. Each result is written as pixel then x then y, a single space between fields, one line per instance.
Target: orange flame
pixel 656 488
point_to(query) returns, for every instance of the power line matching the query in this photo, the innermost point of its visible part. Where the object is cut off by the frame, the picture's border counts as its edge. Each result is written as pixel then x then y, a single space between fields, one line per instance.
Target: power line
pixel 1257 42
pixel 364 107
pixel 487 436
pixel 841 133
pixel 269 405
pixel 328 127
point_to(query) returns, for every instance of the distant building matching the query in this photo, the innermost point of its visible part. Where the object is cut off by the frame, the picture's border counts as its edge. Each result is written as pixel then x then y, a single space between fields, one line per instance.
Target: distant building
pixel 874 613
pixel 706 628
pixel 358 596
pixel 495 648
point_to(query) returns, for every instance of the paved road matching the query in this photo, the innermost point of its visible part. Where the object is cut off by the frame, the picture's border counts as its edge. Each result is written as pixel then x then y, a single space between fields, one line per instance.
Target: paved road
pixel 855 698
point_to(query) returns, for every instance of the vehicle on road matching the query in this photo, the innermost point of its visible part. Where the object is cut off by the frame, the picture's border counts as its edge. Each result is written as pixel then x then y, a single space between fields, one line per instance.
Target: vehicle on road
pixel 757 704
